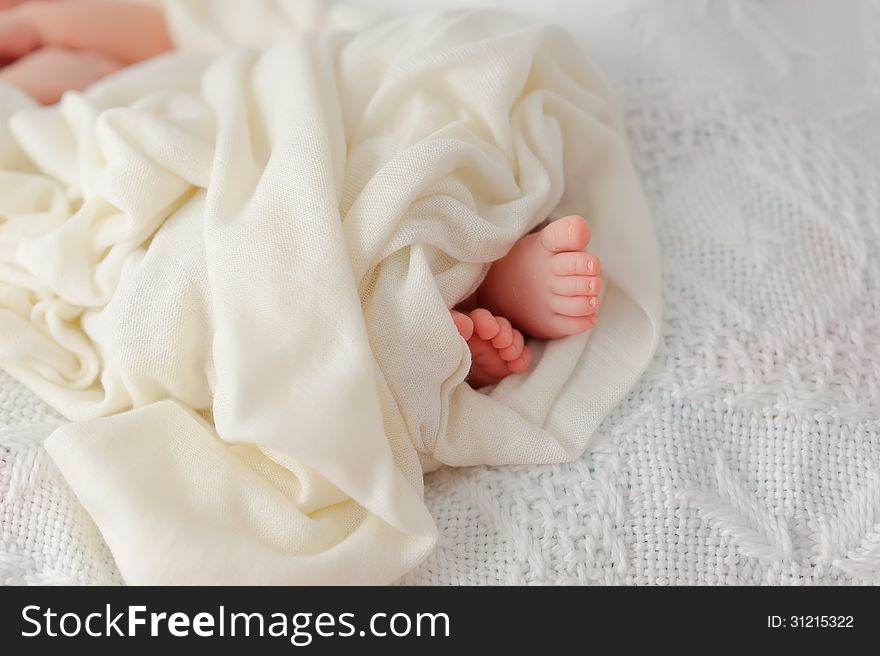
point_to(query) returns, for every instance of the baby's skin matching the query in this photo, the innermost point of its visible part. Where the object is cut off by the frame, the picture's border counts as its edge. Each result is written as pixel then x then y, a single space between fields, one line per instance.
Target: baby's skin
pixel 546 287
pixel 50 46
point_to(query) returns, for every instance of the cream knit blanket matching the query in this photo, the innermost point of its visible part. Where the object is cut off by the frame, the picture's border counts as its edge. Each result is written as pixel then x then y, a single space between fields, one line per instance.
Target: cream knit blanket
pixel 232 273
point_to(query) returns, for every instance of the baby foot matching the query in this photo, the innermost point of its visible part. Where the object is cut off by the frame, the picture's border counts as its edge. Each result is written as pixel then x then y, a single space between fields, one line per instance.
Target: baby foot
pixel 547 285
pixel 497 349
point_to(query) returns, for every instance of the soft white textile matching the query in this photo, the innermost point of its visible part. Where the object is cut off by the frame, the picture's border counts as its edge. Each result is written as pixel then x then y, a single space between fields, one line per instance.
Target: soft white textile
pixel 754 129
pixel 232 271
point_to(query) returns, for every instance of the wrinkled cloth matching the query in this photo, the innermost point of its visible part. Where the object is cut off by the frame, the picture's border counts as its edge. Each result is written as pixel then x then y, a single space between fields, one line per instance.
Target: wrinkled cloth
pixel 232 272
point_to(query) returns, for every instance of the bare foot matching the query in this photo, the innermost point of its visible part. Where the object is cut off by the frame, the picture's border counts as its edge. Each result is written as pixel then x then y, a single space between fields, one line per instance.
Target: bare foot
pixel 547 285
pixel 497 349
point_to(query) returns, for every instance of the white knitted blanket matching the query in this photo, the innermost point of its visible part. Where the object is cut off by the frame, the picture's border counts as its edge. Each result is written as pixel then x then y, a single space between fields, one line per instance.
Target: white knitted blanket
pixel 750 452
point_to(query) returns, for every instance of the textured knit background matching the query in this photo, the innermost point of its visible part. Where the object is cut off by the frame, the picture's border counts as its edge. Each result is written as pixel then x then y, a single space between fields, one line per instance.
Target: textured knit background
pixel 750 451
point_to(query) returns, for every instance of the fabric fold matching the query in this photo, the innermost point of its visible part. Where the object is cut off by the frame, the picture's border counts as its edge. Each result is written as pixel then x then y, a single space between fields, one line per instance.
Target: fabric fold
pixel 236 285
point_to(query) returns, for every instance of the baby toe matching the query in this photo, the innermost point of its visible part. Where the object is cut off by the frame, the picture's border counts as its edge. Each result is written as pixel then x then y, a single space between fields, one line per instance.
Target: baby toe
pixel 563 326
pixel 504 338
pixel 576 285
pixel 515 350
pixel 463 323
pixel 571 233
pixel 485 324
pixel 575 264
pixel 574 306
pixel 522 363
